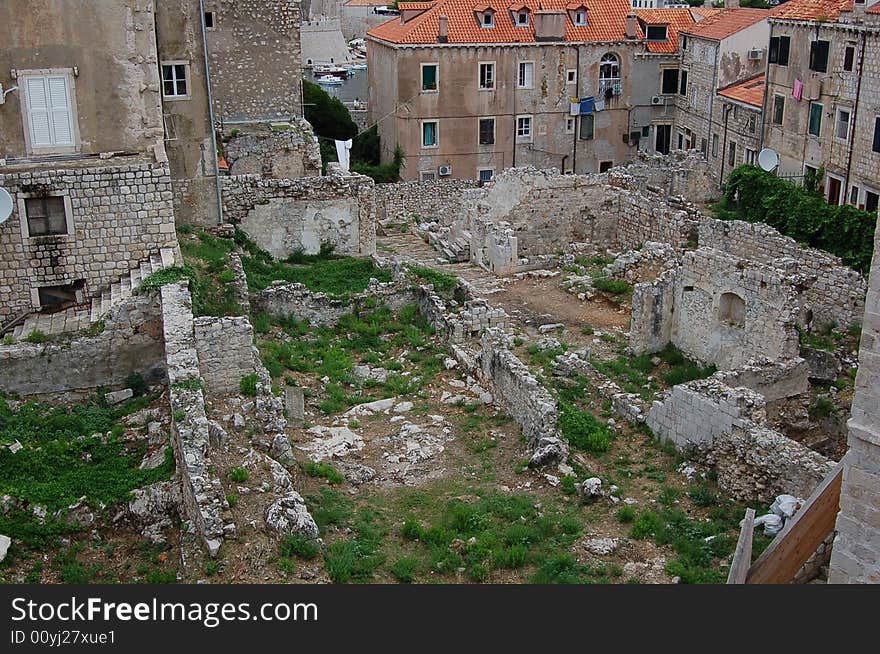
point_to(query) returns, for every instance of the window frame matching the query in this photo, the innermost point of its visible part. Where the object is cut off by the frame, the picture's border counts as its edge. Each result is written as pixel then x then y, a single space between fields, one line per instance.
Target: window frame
pixel 780 52
pixel 849 56
pixel 485 170
pixel 23 215
pixel 429 64
pixel 714 146
pixel 525 138
pixel 480 121
pixel 213 25
pixel 569 124
pixel 752 124
pixel 663 72
pixel 21 79
pixel 731 153
pixel 580 18
pixel 813 60
pixel 519 69
pixel 427 176
pixel 590 118
pixel 818 132
pixel 848 111
pixel 571 76
pixel 875 143
pixel 187 78
pixel 683 82
pixel 480 65
pixel 491 16
pixel 778 101
pixel 520 13
pixel 436 143
pixel 648 29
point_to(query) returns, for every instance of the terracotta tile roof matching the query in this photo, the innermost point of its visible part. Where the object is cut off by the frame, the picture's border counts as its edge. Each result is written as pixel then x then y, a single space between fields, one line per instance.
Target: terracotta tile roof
pixel 704 11
pixel 415 5
pixel 606 21
pixel 875 9
pixel 676 19
pixel 367 3
pixel 750 92
pixel 727 22
pixel 828 10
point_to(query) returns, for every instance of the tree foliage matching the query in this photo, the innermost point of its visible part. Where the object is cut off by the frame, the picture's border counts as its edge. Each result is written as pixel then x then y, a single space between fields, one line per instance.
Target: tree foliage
pixel 802 213
pixel 327 115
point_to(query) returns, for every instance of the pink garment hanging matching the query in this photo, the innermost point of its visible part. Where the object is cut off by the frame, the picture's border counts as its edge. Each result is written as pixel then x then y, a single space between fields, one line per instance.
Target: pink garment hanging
pixel 798 90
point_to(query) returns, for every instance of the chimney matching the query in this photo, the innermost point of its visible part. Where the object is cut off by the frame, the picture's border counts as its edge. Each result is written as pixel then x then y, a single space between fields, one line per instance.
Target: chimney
pixel 632 26
pixel 443 32
pixel 859 8
pixel 707 4
pixel 731 4
pixel 549 25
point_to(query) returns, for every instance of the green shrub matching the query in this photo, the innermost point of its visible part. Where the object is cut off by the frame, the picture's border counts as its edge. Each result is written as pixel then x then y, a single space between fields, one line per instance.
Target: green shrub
pixel 136 383
pixel 36 337
pixel 248 385
pixel 583 430
pixel 239 475
pixel 300 546
pixel 226 277
pixel 404 569
pixel 626 514
pixel 613 286
pixel 325 470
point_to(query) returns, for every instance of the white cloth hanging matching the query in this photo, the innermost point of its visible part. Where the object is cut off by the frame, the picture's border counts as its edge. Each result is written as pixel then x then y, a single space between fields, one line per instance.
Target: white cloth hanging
pixel 342 151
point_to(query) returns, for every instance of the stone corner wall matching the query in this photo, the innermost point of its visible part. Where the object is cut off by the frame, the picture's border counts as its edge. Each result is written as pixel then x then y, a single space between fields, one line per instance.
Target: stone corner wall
pixel 285 152
pixel 226 352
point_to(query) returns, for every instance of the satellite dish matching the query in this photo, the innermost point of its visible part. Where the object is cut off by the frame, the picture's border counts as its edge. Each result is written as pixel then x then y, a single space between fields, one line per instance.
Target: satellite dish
pixel 5 205
pixel 768 159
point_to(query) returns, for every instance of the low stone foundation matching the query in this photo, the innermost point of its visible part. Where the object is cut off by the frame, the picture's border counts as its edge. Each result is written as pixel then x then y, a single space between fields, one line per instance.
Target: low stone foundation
pixel 226 352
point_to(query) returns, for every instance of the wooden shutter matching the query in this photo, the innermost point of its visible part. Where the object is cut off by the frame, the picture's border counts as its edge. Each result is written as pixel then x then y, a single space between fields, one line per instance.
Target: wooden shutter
pixel 49 114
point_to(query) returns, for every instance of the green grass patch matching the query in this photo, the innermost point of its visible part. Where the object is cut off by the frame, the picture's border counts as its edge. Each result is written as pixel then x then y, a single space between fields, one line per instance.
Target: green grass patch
pixel 324 470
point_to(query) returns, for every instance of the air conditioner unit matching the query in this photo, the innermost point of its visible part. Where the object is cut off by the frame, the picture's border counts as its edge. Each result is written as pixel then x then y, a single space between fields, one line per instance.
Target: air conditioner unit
pixel 445 171
pixel 755 53
pixel 658 99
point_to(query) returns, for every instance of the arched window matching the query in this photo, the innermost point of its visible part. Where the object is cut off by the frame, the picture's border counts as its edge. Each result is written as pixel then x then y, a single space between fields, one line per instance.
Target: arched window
pixel 732 310
pixel 609 67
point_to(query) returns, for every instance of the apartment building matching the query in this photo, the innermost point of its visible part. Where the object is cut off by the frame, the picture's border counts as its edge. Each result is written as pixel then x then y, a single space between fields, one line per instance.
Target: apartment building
pixel 720 87
pixel 822 109
pixel 468 88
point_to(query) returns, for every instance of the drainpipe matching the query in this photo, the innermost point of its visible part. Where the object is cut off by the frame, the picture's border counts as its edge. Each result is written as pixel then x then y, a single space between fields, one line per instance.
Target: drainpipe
pixel 852 134
pixel 766 94
pixel 577 92
pixel 514 85
pixel 726 109
pixel 211 112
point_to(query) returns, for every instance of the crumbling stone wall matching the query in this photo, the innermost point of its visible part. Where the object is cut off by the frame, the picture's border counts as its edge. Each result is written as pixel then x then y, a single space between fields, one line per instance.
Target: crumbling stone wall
pixel 285 151
pixel 855 557
pixel 437 200
pixel 284 216
pixel 724 311
pixel 254 54
pixel 680 173
pixel 225 347
pixel 725 428
pixel 190 428
pixel 130 342
pixel 120 213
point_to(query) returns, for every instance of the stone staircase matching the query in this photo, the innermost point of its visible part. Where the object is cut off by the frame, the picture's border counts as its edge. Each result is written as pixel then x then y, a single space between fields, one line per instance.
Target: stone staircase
pixel 79 318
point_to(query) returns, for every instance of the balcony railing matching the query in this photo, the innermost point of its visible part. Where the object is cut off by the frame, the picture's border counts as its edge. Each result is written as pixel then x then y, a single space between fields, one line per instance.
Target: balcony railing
pixel 609 90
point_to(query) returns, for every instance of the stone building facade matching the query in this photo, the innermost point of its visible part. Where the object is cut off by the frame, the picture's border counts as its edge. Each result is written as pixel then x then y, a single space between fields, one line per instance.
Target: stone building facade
pixel 823 97
pixel 81 151
pixel 718 100
pixel 465 101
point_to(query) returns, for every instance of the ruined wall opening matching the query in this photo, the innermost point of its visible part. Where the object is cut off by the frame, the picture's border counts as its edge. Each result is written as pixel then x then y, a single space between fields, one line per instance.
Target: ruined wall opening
pixel 732 310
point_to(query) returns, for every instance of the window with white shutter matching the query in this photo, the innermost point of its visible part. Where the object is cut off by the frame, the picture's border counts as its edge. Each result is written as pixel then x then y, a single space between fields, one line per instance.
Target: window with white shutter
pixel 49 115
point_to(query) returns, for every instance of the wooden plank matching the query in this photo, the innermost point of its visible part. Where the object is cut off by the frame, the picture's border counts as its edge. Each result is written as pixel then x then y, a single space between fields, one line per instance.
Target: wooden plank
pixel 742 556
pixel 801 535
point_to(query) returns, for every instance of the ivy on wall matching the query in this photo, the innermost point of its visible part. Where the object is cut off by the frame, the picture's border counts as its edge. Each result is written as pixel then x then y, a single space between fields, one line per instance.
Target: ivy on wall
pixel 802 213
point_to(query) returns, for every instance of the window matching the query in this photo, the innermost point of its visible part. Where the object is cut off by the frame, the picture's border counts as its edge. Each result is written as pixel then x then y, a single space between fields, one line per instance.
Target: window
pixel 819 56
pixel 427 176
pixel 209 20
pixel 655 32
pixel 669 85
pixel 731 154
pixel 609 67
pixel 753 123
pixel 487 131
pixel 580 18
pixel 779 50
pixel 62 296
pixel 732 309
pixel 680 140
pixel 429 77
pixel 429 134
pixel 485 174
pixel 854 196
pixel 46 216
pixel 876 145
pixel 488 19
pixel 815 126
pixel 587 130
pixel 704 147
pixel 570 76
pixel 605 166
pixel 849 56
pixel 841 129
pixel 487 75
pixel 569 125
pixel 750 156
pixel 714 145
pixel 778 109
pixel 683 87
pixel 525 79
pixel 522 19
pixel 524 128
pixel 174 80
pixel 871 201
pixel 49 111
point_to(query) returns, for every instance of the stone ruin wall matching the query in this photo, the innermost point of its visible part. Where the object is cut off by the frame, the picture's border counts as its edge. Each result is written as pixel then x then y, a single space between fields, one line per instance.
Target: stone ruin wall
pixel 130 342
pixel 284 152
pixel 437 200
pixel 226 352
pixel 284 216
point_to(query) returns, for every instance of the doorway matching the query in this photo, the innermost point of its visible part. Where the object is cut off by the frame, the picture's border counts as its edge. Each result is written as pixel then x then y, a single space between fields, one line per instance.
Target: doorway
pixel 662 139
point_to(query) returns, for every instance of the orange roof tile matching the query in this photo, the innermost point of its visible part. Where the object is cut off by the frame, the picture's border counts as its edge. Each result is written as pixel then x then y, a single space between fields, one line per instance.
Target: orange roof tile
pixel 367 3
pixel 727 22
pixel 875 9
pixel 750 92
pixel 826 10
pixel 606 21
pixel 415 5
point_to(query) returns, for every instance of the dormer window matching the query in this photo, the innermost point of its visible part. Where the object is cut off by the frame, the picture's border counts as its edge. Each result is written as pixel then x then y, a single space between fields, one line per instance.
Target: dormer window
pixel 522 18
pixel 655 32
pixel 488 19
pixel 580 18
